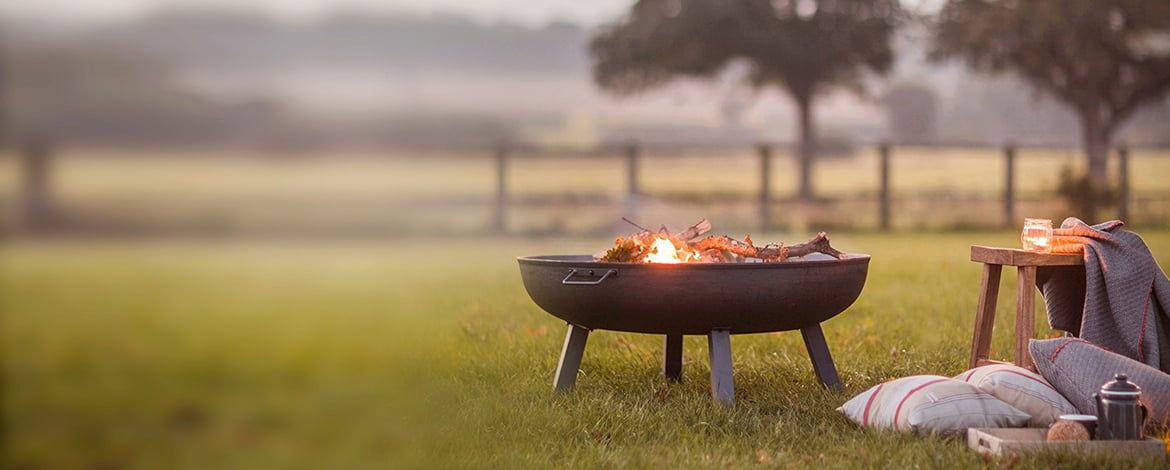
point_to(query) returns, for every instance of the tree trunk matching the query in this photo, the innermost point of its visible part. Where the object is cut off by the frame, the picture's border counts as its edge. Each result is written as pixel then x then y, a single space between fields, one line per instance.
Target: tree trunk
pixel 1095 137
pixel 806 151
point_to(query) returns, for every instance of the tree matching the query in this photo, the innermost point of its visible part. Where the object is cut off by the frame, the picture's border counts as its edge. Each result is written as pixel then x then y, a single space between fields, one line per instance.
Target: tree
pixel 912 109
pixel 806 47
pixel 1102 58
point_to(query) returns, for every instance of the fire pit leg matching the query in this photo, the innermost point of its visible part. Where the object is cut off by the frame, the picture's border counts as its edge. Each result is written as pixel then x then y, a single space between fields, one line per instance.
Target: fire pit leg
pixel 672 357
pixel 719 351
pixel 818 351
pixel 570 358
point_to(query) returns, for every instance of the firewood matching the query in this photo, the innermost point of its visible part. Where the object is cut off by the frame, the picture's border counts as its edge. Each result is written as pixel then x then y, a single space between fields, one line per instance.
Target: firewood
pixel 625 250
pixel 745 249
pixel 693 231
pixel 818 244
pixel 769 253
pixel 713 249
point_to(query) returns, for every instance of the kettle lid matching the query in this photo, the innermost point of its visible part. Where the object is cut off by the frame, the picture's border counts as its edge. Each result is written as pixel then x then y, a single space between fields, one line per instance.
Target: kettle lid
pixel 1120 386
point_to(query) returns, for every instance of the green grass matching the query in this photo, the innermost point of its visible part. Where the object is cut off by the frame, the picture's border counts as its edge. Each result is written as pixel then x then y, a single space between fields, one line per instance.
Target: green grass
pixel 183 354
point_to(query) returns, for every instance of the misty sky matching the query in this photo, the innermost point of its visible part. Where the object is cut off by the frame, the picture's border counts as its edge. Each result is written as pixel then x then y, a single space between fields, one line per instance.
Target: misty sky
pixel 531 12
pixel 535 12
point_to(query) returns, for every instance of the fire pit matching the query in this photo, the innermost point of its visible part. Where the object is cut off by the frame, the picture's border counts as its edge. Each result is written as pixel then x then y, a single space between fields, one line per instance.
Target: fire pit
pixel 712 299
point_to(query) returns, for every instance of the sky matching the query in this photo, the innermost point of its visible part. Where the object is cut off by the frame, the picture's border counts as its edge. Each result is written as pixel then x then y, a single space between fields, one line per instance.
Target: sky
pixel 532 12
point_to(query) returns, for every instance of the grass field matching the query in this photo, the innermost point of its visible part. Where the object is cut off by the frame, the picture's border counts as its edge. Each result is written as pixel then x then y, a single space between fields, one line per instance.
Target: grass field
pixel 403 354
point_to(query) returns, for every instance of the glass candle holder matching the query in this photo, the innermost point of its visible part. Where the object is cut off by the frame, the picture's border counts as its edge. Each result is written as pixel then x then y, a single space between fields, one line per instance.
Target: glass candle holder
pixel 1037 235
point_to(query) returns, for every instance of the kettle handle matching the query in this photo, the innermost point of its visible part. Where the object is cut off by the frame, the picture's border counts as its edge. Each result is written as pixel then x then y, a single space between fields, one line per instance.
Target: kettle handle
pixel 1102 423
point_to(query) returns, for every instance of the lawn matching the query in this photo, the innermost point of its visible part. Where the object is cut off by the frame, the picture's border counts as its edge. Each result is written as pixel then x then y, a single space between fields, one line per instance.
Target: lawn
pixel 401 353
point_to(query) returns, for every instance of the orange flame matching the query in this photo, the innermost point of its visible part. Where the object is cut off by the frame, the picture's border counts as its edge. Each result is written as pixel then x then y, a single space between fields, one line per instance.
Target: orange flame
pixel 663 251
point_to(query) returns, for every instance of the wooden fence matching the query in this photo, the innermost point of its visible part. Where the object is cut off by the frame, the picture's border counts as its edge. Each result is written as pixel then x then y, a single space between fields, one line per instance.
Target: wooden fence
pixel 633 151
pixel 39 210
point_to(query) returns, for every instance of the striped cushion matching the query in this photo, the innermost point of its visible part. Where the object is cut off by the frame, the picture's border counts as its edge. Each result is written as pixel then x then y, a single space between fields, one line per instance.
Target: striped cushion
pixel 1078 369
pixel 930 404
pixel 1021 388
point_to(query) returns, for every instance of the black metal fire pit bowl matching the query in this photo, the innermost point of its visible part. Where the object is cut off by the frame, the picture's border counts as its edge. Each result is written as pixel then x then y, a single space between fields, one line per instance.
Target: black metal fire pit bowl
pixel 712 299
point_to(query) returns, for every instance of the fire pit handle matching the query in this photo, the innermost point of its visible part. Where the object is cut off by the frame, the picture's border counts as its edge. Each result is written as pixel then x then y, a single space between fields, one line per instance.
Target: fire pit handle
pixel 573 272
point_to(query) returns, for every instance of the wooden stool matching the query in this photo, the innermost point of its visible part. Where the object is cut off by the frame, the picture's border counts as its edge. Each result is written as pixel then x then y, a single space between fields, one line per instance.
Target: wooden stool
pixel 994 259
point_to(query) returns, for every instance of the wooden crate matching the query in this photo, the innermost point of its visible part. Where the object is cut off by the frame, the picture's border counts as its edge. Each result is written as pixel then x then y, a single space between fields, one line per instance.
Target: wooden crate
pixel 1023 440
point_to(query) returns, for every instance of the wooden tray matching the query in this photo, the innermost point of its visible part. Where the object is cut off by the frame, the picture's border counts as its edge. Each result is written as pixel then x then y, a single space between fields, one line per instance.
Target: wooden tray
pixel 1023 440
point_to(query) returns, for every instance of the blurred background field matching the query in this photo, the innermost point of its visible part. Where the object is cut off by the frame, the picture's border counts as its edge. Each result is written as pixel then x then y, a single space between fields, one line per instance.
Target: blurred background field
pixel 395 194
pixel 382 118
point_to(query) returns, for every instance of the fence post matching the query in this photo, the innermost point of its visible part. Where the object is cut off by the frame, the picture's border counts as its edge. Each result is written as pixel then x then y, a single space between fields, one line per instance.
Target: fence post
pixel 765 186
pixel 4 95
pixel 1123 183
pixel 37 210
pixel 500 221
pixel 632 191
pixel 884 177
pixel 1009 185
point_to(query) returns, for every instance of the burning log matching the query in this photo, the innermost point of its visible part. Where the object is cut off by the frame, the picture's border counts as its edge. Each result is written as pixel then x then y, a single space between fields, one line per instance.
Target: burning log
pixel 693 231
pixel 661 247
pixel 770 252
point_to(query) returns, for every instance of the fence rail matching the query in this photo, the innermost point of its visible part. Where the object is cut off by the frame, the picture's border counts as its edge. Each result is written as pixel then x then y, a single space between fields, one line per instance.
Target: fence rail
pixel 39 208
pixel 765 151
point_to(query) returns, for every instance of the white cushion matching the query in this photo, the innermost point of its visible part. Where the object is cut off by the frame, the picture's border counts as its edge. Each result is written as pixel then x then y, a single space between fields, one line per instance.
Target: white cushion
pixel 1027 391
pixel 930 404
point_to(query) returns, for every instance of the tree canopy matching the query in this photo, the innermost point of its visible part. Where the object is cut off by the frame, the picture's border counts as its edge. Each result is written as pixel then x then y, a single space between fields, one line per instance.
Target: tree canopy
pixel 804 46
pixel 1102 58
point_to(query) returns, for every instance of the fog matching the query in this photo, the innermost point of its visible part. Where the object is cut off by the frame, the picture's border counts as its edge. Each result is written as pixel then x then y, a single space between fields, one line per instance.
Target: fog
pixel 255 78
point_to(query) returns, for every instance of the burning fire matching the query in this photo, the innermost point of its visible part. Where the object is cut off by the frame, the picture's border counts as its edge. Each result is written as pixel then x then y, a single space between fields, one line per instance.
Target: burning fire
pixel 663 251
pixel 662 247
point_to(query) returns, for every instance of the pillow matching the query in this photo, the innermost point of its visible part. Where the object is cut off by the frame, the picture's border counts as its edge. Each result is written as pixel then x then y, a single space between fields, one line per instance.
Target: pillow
pixel 1023 389
pixel 930 404
pixel 1078 369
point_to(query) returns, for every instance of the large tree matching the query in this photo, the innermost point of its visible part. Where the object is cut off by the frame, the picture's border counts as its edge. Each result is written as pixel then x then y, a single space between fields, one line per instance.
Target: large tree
pixel 1102 58
pixel 806 47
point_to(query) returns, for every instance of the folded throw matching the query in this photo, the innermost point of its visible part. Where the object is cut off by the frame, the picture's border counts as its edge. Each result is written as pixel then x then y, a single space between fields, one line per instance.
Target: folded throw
pixel 1118 300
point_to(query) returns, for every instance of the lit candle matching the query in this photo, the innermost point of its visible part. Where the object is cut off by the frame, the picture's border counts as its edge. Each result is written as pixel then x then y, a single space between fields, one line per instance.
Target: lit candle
pixel 1037 235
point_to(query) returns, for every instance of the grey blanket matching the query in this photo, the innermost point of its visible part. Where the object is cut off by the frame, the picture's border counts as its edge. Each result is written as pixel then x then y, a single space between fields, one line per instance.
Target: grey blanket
pixel 1118 301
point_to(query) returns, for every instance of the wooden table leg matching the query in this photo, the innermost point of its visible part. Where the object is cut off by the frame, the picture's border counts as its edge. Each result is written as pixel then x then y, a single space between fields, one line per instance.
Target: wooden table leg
pixel 571 354
pixel 719 351
pixel 985 314
pixel 672 357
pixel 1025 313
pixel 818 352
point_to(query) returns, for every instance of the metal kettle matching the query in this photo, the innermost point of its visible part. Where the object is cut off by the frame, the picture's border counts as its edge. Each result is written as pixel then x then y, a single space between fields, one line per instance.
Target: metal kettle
pixel 1120 415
